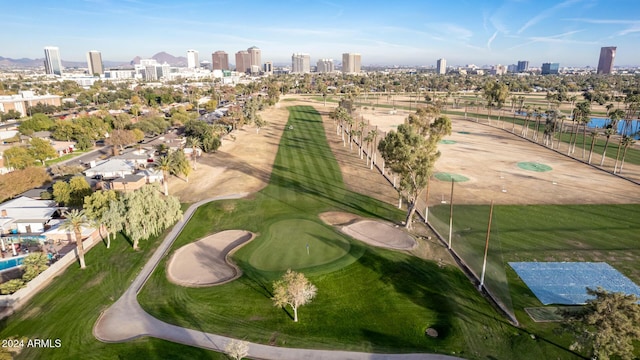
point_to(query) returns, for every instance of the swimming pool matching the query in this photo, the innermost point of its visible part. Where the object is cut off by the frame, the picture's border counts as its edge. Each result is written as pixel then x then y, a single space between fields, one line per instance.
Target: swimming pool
pixel 11 262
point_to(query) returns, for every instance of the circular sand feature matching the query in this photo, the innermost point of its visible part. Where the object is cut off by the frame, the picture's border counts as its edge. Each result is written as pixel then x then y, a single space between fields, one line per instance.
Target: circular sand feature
pixel 448 142
pixel 380 234
pixel 205 262
pixel 534 166
pixel 448 177
pixel 298 244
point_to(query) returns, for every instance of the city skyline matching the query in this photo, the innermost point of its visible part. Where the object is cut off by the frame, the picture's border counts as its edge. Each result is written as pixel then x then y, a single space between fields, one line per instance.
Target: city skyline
pixel 569 32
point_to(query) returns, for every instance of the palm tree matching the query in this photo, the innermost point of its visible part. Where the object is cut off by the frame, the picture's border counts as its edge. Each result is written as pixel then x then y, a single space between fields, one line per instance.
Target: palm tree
pixel 582 113
pixel 562 118
pixel 611 129
pixel 594 136
pixel 195 144
pixel 75 220
pixel 527 119
pixel 627 142
pixel 538 115
pixel 165 165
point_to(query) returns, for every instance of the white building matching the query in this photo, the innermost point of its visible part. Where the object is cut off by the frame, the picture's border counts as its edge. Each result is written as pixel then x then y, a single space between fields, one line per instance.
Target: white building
pixel 52 61
pixel 441 66
pixel 351 63
pixel 325 66
pixel 24 215
pixel 192 59
pixel 300 63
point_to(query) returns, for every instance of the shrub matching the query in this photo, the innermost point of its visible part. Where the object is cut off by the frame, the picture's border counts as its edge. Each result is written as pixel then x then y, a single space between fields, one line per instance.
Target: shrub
pixel 11 286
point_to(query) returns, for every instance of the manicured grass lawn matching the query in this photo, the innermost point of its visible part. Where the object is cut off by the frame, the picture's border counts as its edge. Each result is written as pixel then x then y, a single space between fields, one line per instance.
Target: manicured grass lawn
pixel 368 299
pixel 64 157
pixel 607 233
pixel 69 307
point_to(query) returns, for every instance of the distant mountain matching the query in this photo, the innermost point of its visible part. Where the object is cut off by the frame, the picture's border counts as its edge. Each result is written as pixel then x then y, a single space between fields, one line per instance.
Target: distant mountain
pixel 20 63
pixel 163 57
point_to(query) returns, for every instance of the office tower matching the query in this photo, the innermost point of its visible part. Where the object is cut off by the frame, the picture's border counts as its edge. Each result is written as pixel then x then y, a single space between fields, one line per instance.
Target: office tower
pixel 550 68
pixel 220 60
pixel 192 59
pixel 325 66
pixel 441 66
pixel 300 63
pixel 94 63
pixel 268 68
pixel 243 61
pixel 255 55
pixel 52 61
pixel 523 66
pixel 607 55
pixel 351 63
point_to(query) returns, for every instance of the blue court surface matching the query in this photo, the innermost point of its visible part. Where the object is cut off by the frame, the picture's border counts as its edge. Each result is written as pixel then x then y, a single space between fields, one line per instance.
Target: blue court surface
pixel 566 282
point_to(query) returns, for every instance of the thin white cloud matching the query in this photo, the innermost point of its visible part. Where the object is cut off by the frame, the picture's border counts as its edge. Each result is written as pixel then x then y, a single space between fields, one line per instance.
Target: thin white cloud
pixel 563 38
pixel 493 37
pixel 604 21
pixel 547 13
pixel 451 30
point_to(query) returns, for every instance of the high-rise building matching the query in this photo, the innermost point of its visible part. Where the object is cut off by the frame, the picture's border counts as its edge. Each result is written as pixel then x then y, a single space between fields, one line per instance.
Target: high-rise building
pixel 192 59
pixel 255 56
pixel 351 63
pixel 441 66
pixel 94 63
pixel 220 60
pixel 607 55
pixel 243 61
pixel 268 68
pixel 300 63
pixel 550 69
pixel 325 66
pixel 52 61
pixel 523 66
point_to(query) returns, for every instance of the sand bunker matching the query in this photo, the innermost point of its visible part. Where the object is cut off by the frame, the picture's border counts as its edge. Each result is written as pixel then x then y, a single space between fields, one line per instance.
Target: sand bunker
pixel 205 262
pixel 380 234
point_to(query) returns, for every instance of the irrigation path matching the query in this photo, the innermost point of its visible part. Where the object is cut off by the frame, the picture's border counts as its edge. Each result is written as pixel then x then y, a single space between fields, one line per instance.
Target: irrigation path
pixel 125 320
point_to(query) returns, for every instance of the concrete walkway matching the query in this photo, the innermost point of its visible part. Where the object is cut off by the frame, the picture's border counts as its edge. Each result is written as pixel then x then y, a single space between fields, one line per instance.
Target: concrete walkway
pixel 126 320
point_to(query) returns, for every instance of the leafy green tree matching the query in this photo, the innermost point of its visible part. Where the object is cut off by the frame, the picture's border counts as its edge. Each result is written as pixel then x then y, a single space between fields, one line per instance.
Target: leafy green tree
pixel 19 181
pixel 294 290
pixel 10 115
pixel 18 157
pixel 496 94
pixel 148 213
pixel 96 204
pixel 38 122
pixel 121 138
pixel 63 130
pixel 411 152
pixel 61 192
pixel 42 150
pixel 113 218
pixel 79 188
pixel 205 132
pixel 607 326
pixel 33 265
pixel 75 221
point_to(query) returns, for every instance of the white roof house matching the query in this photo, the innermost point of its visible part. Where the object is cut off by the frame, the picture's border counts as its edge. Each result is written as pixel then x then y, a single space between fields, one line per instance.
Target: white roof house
pixel 112 168
pixel 26 215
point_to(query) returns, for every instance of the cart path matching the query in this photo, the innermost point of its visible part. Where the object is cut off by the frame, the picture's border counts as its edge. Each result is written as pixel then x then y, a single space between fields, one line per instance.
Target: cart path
pixel 125 320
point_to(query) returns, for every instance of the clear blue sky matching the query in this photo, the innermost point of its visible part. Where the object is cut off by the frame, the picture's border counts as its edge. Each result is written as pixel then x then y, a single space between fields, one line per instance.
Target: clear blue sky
pixel 401 32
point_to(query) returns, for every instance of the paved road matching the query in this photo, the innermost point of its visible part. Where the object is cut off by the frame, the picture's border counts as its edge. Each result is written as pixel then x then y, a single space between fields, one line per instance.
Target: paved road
pixel 126 320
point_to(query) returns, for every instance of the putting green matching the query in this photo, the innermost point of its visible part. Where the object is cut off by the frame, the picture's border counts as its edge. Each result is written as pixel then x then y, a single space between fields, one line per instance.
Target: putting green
pixel 285 246
pixel 448 142
pixel 448 177
pixel 534 166
pixel 464 132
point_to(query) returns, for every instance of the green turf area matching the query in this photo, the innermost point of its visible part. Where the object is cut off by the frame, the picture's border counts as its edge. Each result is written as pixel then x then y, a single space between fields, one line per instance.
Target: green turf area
pixel 369 300
pixel 448 142
pixel 69 307
pixel 534 166
pixel 298 244
pixel 448 177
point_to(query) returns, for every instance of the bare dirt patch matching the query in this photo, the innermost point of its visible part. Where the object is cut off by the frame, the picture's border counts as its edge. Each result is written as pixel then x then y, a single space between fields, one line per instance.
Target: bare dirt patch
pixel 242 164
pixel 205 262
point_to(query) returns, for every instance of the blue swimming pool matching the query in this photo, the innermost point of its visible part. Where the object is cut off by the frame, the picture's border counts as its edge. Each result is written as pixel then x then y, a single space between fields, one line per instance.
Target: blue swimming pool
pixel 11 263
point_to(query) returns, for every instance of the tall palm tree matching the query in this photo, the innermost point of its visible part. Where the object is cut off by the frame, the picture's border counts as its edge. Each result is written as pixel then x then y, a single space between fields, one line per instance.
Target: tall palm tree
pixel 627 142
pixel 165 165
pixel 75 220
pixel 594 137
pixel 611 129
pixel 195 144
